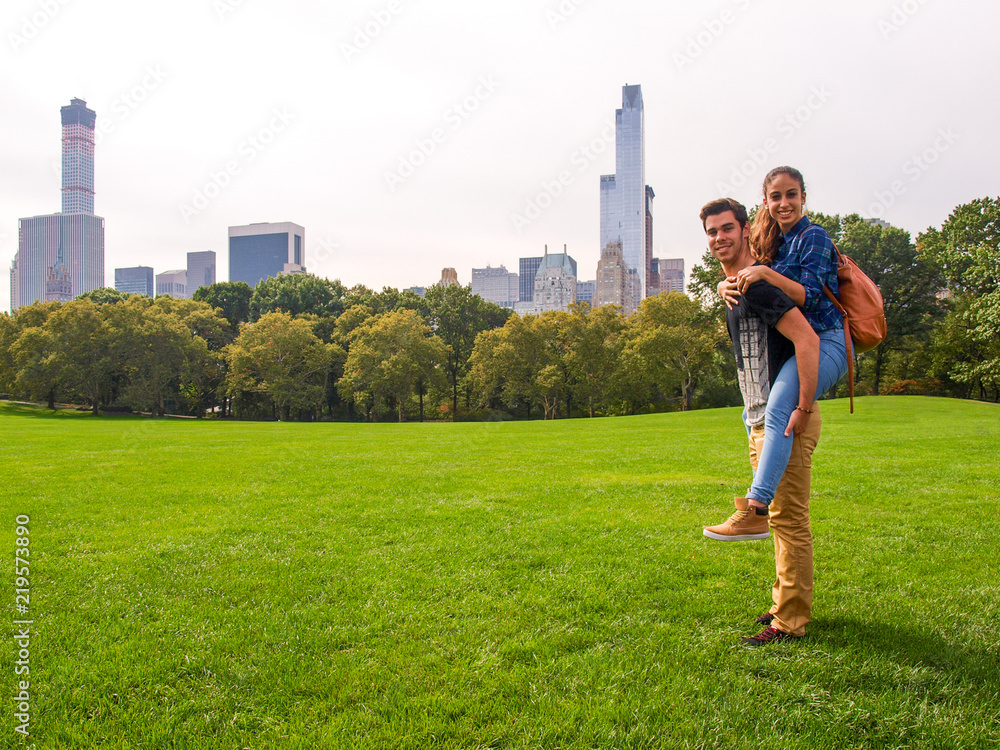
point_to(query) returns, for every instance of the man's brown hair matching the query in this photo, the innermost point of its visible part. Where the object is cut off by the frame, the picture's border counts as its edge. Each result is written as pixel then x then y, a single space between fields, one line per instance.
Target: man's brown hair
pixel 722 205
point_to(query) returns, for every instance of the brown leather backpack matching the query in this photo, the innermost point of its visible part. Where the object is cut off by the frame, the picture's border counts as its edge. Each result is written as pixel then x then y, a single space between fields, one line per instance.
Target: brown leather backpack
pixel 860 302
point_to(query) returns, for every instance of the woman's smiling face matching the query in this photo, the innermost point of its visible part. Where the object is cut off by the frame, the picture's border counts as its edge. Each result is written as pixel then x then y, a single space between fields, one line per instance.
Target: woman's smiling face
pixel 786 201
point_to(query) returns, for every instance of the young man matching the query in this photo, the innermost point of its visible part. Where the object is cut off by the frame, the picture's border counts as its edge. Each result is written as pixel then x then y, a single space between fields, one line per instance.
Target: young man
pixel 767 329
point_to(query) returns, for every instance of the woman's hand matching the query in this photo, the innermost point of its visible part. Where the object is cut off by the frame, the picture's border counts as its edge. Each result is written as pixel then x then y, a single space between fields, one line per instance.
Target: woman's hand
pixel 727 290
pixel 747 276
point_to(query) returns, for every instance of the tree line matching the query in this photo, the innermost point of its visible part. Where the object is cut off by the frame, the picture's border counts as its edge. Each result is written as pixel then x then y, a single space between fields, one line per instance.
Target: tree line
pixel 303 347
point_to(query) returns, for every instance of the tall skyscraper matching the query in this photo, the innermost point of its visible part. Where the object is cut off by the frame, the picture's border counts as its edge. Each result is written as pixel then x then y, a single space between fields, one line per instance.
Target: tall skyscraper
pixel 78 158
pixel 60 256
pixel 200 270
pixel 624 194
pixel 137 280
pixel 260 251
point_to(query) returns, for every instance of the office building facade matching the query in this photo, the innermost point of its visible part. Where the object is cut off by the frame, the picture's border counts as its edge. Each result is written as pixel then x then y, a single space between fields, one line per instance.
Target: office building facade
pixel 625 197
pixel 41 240
pixel 496 285
pixel 173 283
pixel 615 280
pixel 61 256
pixel 585 291
pixel 527 268
pixel 671 274
pixel 554 284
pixel 135 280
pixel 265 250
pixel 200 270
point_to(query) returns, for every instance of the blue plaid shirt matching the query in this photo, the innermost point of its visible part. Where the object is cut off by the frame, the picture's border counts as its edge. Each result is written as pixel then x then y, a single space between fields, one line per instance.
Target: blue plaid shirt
pixel 807 255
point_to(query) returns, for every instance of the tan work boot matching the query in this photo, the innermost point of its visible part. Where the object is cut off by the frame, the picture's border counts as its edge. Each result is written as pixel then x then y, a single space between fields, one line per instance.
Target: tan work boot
pixel 744 525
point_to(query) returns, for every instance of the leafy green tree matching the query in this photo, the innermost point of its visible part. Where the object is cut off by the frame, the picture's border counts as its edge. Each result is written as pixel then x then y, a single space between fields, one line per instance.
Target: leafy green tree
pixel 9 333
pixel 832 224
pixel 908 282
pixel 297 294
pixel 523 363
pixel 201 319
pixel 26 349
pixel 388 300
pixel 36 369
pixel 961 356
pixel 232 298
pixel 458 316
pixel 86 359
pixel 203 384
pixel 159 350
pixel 279 356
pixel 105 295
pixel 487 374
pixel 672 344
pixel 391 357
pixel 352 318
pixel 705 278
pixel 967 248
pixel 596 339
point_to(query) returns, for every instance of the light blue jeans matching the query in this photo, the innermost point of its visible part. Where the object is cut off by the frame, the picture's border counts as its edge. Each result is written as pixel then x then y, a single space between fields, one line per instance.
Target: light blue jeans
pixel 781 402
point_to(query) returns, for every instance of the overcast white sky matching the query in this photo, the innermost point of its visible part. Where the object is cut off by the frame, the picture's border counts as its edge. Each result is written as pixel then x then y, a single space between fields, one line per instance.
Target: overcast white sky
pixel 317 112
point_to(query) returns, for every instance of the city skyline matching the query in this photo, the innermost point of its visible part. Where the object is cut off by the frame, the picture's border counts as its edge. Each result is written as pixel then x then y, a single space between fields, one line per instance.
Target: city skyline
pixel 359 125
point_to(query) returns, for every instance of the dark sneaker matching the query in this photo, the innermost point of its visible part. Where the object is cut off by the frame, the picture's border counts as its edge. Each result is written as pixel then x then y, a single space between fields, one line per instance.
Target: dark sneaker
pixel 746 524
pixel 766 636
pixel 765 619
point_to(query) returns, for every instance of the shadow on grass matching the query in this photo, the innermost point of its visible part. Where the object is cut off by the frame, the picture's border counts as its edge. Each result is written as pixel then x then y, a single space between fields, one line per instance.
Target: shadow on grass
pixel 934 647
pixel 41 411
pixel 17 409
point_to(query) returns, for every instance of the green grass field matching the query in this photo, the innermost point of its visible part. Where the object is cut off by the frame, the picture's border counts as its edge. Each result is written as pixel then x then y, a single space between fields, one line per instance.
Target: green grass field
pixel 198 584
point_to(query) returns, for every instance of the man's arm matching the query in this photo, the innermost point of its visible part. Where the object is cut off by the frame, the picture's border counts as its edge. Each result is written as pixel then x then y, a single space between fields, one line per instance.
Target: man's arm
pixel 747 276
pixel 794 327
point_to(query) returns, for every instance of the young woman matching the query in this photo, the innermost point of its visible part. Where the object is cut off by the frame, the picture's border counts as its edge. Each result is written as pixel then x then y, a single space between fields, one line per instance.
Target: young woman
pixel 798 257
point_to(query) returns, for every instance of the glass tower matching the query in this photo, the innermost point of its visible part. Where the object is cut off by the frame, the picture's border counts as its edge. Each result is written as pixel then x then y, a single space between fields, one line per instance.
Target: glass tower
pixel 623 194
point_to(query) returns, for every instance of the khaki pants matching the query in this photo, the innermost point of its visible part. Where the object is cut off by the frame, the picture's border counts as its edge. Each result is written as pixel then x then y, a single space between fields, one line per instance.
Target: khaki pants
pixel 789 516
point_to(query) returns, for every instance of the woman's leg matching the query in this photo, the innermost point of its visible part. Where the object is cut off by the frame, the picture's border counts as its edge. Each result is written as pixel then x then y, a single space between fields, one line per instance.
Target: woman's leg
pixel 781 402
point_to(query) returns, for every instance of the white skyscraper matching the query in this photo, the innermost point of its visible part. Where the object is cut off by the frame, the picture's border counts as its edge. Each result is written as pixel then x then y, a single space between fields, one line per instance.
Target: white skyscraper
pixel 623 194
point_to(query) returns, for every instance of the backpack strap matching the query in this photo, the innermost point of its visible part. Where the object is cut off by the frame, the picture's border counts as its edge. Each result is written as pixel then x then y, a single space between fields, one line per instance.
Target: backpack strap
pixel 847 338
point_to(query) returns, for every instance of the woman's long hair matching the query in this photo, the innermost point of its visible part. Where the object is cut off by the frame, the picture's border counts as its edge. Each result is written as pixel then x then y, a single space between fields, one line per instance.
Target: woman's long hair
pixel 765 233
